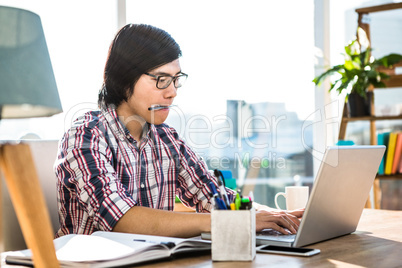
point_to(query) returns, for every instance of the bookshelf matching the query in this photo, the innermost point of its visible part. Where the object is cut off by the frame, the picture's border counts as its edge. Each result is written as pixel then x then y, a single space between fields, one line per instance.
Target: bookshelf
pixel 394 81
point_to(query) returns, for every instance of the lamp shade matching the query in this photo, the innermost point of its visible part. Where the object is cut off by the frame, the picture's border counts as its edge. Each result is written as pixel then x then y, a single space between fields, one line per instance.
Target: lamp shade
pixel 27 84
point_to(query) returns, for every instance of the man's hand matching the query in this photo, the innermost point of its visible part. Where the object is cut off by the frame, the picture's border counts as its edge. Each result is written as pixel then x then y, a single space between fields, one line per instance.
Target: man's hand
pixel 270 218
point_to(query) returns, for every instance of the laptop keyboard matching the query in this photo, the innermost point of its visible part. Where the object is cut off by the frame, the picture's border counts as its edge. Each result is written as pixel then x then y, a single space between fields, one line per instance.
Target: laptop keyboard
pixel 270 234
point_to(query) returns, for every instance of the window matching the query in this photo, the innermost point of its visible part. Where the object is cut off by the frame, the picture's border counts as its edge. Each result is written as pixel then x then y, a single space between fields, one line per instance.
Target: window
pixel 78 35
pixel 246 104
pixel 249 101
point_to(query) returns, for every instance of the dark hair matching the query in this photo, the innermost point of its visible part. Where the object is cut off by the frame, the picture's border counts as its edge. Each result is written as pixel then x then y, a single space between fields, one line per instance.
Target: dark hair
pixel 135 50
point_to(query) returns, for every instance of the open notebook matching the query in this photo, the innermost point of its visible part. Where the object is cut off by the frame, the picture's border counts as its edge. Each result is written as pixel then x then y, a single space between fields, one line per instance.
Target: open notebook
pixel 111 249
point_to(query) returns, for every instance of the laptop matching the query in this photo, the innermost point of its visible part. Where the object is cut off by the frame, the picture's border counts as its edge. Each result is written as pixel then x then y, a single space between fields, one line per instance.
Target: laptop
pixel 337 199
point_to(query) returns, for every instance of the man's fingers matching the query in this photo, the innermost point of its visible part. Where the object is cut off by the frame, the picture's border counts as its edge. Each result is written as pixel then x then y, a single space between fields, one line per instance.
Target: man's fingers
pixel 289 224
pixel 291 220
pixel 278 221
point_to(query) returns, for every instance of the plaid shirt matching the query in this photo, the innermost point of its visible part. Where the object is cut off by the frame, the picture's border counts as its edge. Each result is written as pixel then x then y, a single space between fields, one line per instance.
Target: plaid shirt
pixel 102 173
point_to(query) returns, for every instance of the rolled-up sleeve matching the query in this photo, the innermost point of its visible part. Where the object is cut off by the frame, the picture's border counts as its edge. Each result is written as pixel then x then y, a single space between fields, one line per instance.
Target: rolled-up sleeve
pixel 91 195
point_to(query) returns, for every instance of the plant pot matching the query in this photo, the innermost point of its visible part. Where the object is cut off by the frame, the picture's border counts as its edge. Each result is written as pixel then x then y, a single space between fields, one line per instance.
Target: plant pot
pixel 359 106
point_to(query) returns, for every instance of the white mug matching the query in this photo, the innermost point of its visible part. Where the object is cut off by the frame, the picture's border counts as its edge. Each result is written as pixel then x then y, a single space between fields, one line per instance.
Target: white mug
pixel 296 197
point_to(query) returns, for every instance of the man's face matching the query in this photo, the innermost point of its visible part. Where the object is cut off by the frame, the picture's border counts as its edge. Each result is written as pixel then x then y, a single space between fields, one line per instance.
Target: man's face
pixel 146 94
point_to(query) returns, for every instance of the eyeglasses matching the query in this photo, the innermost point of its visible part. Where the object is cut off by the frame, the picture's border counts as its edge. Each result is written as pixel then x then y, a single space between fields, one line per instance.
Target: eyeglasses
pixel 163 81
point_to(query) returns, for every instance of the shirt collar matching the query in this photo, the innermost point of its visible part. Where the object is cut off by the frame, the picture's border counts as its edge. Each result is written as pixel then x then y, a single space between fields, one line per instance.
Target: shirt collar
pixel 118 127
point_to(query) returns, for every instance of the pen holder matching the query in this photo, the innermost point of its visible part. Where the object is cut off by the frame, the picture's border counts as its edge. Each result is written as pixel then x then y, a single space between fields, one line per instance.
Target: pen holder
pixel 233 235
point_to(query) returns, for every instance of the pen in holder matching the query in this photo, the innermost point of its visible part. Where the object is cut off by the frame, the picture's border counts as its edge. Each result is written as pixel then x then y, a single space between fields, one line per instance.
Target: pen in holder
pixel 233 235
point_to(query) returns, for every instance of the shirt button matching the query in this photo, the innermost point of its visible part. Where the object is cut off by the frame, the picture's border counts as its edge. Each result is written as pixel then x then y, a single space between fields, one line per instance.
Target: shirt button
pixel 142 185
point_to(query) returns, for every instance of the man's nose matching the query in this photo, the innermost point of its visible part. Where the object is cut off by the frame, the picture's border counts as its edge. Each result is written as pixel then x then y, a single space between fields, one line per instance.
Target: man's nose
pixel 171 91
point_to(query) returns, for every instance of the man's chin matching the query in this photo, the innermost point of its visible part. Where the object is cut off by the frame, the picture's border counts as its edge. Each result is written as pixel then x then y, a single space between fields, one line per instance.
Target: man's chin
pixel 158 121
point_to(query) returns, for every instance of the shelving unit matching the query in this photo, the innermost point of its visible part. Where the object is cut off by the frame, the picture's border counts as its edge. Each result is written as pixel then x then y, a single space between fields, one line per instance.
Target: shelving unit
pixel 394 81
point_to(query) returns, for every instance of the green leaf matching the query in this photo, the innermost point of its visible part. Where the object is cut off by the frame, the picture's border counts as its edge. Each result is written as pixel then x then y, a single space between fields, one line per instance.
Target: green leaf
pixel 390 59
pixel 359 70
pixel 336 69
pixel 372 74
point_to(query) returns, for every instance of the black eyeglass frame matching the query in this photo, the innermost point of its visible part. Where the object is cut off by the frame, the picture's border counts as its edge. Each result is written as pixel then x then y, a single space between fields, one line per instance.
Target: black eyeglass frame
pixel 174 79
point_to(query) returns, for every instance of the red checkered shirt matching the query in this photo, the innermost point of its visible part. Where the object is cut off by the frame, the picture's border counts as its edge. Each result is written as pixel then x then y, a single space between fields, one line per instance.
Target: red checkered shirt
pixel 102 173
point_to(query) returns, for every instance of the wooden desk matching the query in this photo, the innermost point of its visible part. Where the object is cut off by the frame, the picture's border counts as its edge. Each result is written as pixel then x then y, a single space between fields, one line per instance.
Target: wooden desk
pixel 376 243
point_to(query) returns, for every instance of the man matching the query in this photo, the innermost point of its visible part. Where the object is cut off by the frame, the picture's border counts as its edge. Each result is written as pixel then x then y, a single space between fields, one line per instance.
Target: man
pixel 120 168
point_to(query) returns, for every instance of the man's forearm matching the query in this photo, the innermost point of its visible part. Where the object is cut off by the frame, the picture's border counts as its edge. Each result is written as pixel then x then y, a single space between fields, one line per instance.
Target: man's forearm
pixel 143 220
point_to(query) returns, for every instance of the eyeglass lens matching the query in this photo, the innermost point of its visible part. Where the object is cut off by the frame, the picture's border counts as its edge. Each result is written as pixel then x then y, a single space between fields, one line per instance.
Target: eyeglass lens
pixel 164 81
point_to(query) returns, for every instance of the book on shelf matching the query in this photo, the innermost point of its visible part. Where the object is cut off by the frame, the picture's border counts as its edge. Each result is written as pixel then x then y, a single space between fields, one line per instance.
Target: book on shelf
pixel 111 249
pixel 392 161
pixel 390 153
pixel 397 164
pixel 382 139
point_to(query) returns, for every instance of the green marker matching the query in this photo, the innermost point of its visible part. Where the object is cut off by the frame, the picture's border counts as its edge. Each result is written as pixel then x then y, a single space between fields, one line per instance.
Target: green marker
pixel 237 201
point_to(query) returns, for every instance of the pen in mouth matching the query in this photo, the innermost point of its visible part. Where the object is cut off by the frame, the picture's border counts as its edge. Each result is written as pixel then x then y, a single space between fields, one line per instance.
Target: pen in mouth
pixel 159 107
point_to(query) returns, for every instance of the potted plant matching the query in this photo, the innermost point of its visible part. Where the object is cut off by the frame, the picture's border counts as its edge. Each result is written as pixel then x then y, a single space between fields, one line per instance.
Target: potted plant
pixel 359 73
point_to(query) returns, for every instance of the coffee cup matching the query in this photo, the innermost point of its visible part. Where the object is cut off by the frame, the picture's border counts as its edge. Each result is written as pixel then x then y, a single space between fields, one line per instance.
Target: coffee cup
pixel 296 197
